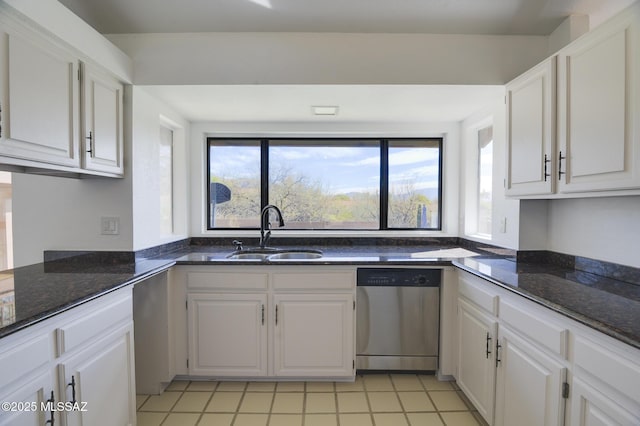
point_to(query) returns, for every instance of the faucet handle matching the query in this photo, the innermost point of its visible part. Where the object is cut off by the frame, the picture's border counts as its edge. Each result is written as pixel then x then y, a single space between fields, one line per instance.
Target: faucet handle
pixel 238 244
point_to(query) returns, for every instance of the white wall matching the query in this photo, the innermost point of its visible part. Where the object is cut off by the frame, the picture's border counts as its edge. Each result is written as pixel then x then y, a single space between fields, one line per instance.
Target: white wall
pixel 148 115
pixel 199 132
pixel 600 228
pixel 329 58
pixel 53 213
pixel 502 208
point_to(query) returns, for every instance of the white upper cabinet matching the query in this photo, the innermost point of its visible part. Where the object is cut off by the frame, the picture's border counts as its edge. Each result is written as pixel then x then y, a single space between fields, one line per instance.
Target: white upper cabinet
pixel 596 122
pixel 102 121
pixel 531 119
pixel 39 93
pixel 599 120
pixel 55 117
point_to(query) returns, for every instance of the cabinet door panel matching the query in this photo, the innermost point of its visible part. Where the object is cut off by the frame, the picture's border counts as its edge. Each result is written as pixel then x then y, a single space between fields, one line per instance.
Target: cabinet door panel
pixel 477 332
pixel 599 125
pixel 531 130
pixel 590 407
pixel 40 108
pixel 103 375
pixel 103 114
pixel 37 389
pixel 529 385
pixel 597 107
pixel 227 336
pixel 314 335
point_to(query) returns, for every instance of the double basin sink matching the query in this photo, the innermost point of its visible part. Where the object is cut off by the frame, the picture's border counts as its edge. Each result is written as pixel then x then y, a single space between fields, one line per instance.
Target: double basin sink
pixel 275 254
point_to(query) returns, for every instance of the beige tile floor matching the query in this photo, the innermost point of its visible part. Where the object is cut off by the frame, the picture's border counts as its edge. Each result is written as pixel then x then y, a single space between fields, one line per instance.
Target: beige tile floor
pixel 372 400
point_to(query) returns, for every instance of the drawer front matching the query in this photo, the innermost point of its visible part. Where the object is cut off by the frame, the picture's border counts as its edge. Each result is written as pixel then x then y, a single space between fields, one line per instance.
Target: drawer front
pixel 534 325
pixel 621 372
pixel 24 358
pixel 93 323
pixel 227 281
pixel 472 288
pixel 314 281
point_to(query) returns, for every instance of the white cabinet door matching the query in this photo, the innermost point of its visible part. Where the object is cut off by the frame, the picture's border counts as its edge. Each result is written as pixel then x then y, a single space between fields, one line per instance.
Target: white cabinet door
pixel 28 399
pixel 531 126
pixel 102 376
pixel 591 407
pixel 39 99
pixel 528 386
pixel 477 333
pixel 227 334
pixel 102 127
pixel 314 335
pixel 599 117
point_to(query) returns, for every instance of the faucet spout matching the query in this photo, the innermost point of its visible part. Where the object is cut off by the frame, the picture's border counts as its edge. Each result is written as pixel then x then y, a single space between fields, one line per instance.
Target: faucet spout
pixel 265 224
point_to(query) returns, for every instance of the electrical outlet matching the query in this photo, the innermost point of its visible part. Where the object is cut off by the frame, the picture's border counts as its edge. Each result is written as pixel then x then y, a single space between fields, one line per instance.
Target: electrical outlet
pixel 110 225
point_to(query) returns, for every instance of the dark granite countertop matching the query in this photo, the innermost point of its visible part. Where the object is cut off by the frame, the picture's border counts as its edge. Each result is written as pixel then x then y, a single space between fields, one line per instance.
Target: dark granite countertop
pixel 608 305
pixel 37 292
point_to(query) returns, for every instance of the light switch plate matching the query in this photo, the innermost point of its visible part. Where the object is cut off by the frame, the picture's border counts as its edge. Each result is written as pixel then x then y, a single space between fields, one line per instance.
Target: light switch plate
pixel 110 225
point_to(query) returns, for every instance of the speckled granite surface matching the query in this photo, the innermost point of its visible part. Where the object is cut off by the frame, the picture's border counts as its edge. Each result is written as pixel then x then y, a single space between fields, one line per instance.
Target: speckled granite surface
pixel 609 305
pixel 45 289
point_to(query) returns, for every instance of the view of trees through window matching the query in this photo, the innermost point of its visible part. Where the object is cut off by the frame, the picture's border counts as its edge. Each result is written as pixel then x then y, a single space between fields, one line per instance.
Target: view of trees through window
pixel 326 184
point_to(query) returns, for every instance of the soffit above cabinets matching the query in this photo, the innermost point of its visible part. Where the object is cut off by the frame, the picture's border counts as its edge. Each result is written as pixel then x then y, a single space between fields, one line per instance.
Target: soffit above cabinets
pixel 357 103
pixel 504 17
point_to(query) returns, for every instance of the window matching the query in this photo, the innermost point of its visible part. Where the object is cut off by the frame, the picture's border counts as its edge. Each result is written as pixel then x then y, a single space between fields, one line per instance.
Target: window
pixel 166 180
pixel 6 224
pixel 346 184
pixel 485 179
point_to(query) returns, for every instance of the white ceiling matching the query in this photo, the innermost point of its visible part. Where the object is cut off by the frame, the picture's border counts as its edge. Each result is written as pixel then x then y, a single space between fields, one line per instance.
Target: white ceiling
pixel 525 17
pixel 363 103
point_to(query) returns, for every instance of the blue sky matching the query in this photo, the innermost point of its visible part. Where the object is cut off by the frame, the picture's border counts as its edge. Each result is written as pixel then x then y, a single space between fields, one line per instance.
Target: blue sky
pixel 339 169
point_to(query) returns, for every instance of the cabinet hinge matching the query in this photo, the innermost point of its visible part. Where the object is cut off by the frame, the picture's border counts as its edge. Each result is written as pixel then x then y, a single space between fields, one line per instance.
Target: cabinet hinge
pixel 565 390
pixel 353 365
pixel 354 305
pixel 187 362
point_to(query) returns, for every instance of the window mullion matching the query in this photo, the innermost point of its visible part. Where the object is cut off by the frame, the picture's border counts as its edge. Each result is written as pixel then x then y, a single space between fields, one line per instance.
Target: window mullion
pixel 264 173
pixel 384 184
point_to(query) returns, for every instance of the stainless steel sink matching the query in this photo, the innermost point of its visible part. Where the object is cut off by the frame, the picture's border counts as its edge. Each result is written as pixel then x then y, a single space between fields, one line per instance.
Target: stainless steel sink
pixel 297 254
pixel 274 254
pixel 249 256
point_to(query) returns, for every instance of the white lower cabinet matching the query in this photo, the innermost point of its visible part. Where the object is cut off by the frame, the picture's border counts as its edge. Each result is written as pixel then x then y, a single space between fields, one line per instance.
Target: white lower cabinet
pixel 605 385
pixel 529 384
pixel 477 331
pixel 76 368
pixel 227 334
pixel 313 335
pixel 31 393
pixel 511 362
pixel 99 380
pixel 273 321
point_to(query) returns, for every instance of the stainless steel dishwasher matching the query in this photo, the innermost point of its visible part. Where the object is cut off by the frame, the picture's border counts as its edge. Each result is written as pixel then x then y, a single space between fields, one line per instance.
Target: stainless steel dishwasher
pixel 398 318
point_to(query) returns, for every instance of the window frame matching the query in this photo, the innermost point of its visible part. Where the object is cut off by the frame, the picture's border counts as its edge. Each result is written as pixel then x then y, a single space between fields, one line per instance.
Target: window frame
pixel 263 143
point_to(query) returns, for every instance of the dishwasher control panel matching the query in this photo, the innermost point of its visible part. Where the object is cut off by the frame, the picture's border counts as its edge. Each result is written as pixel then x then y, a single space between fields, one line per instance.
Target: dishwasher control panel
pixel 399 277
